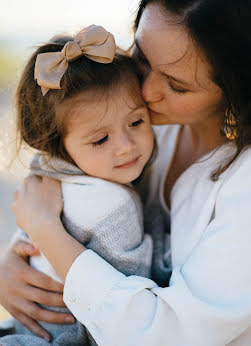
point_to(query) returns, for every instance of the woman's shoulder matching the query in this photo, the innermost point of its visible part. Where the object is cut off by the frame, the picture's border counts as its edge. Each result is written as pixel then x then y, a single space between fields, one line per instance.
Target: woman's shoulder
pixel 240 169
pixel 235 188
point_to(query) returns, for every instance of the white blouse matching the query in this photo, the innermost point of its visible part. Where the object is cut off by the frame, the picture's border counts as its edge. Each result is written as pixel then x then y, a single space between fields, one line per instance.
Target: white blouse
pixel 208 302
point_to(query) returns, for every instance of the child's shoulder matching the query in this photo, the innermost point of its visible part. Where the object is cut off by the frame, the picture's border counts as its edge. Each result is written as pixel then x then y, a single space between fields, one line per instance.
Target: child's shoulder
pixel 93 187
pixel 96 198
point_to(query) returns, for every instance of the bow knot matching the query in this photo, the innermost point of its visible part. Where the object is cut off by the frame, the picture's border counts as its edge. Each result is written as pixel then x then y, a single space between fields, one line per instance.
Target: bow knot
pixel 94 42
pixel 71 51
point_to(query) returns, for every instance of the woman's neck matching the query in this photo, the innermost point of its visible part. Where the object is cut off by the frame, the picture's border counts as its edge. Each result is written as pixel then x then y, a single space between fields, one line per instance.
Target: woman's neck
pixel 193 143
pixel 202 138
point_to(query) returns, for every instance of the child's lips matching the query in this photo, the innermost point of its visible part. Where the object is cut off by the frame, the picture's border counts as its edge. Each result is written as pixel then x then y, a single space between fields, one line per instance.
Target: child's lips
pixel 128 164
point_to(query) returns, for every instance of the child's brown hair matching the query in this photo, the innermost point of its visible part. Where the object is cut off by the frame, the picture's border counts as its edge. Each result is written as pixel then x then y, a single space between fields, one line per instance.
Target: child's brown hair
pixel 37 122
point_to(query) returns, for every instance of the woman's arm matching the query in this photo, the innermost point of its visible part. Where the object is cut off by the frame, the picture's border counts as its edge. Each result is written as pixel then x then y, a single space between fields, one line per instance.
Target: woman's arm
pixel 58 246
pixel 37 206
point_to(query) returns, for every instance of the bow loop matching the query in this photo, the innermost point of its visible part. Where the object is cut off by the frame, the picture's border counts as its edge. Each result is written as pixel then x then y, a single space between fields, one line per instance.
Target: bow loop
pixel 94 42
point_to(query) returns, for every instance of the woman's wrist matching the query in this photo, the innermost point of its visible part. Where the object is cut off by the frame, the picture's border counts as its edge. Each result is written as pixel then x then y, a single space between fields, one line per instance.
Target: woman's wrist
pixel 43 228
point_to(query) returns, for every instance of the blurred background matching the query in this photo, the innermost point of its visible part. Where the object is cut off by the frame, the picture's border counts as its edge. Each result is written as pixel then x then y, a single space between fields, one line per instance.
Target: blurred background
pixel 23 25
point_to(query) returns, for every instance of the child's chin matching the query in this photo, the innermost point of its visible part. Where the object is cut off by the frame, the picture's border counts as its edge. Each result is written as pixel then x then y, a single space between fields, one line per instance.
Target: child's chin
pixel 128 179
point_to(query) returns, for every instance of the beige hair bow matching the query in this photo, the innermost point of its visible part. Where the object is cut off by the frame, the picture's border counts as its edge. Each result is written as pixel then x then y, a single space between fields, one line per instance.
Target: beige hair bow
pixel 94 42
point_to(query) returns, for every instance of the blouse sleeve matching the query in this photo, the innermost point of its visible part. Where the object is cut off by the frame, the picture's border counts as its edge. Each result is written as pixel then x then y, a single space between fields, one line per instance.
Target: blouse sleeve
pixel 208 301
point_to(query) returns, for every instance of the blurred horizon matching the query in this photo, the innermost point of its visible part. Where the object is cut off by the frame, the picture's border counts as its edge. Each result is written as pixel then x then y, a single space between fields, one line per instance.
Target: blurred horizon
pixel 28 23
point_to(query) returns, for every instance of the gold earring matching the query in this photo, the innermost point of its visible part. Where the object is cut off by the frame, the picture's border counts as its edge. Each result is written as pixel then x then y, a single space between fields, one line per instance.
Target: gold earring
pixel 229 126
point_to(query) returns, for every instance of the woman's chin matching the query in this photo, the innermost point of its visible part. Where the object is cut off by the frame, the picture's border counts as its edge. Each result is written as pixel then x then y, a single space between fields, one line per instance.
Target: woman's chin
pixel 159 120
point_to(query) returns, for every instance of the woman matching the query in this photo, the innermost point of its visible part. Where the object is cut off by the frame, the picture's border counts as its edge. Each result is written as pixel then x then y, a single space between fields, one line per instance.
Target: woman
pixel 195 60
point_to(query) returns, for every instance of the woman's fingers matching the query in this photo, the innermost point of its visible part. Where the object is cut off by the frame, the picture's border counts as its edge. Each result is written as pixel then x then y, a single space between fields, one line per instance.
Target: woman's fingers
pixel 40 280
pixel 41 296
pixel 37 313
pixel 23 287
pixel 22 272
pixel 25 249
pixel 32 325
pixel 37 201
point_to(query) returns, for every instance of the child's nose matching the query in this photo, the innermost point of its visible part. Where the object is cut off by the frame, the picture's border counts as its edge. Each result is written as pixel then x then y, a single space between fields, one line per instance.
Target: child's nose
pixel 124 145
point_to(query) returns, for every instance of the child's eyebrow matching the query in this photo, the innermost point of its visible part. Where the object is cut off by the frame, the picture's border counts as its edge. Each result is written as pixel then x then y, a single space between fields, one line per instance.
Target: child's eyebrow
pixel 104 128
pixel 93 132
pixel 135 109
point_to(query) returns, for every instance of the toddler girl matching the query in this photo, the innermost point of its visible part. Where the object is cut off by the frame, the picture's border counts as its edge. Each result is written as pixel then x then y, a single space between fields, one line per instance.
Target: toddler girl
pixel 79 104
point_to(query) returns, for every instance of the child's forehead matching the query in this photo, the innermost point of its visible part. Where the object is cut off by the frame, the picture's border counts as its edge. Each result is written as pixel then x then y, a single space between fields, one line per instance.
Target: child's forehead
pixel 90 113
pixel 103 101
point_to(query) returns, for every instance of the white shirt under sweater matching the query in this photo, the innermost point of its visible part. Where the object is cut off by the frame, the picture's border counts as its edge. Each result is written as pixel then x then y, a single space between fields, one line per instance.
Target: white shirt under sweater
pixel 208 302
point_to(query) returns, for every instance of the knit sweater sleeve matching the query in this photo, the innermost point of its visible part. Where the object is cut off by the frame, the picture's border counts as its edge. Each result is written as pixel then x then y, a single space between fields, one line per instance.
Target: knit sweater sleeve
pixel 208 302
pixel 108 218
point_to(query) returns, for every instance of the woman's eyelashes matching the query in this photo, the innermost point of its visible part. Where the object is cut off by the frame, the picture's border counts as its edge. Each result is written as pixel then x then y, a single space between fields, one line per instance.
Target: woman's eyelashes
pixel 100 141
pixel 178 90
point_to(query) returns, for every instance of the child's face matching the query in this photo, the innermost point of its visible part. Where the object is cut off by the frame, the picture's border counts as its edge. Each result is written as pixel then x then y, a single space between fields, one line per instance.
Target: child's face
pixel 109 138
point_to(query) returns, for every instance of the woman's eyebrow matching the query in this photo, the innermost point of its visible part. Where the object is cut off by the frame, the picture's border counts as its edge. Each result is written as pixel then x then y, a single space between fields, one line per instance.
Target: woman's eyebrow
pixel 175 79
pixel 179 81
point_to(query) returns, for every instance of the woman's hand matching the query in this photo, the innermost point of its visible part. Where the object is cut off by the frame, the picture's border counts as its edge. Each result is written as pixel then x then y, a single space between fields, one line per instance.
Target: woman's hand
pixel 22 287
pixel 37 204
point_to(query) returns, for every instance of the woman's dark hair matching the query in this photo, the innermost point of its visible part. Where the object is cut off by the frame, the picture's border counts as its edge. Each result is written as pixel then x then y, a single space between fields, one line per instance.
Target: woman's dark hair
pixel 38 124
pixel 222 30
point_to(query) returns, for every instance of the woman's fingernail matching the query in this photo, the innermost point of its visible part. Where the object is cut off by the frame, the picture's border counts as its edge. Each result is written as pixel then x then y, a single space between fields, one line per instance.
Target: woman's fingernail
pixel 69 319
pixel 47 338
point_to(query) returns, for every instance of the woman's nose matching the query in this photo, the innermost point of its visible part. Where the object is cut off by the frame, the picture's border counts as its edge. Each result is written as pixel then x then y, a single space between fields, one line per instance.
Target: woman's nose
pixel 125 144
pixel 151 88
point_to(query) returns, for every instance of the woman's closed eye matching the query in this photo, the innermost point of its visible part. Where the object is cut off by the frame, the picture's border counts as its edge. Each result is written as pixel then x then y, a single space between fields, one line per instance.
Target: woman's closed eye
pixel 177 89
pixel 100 141
pixel 137 123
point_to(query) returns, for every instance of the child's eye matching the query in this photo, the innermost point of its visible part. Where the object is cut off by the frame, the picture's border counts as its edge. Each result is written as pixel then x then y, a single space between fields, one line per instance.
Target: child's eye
pixel 137 123
pixel 100 142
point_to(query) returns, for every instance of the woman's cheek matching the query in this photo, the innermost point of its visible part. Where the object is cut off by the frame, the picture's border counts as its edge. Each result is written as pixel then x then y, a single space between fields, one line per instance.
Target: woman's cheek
pixel 184 105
